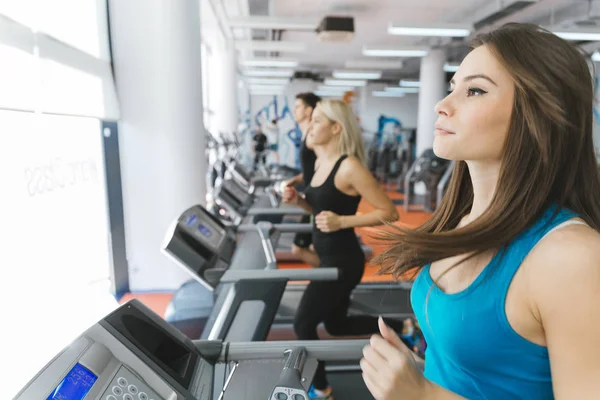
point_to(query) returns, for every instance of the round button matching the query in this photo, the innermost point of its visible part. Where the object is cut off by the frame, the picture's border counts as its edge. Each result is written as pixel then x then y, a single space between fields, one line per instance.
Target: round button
pixel 117 391
pixel 122 382
pixel 143 396
pixel 133 389
pixel 111 397
pixel 127 396
pixel 281 396
pixel 299 397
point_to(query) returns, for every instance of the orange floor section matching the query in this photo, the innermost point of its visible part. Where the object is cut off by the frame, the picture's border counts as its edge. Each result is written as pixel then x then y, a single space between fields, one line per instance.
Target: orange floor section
pixel 158 302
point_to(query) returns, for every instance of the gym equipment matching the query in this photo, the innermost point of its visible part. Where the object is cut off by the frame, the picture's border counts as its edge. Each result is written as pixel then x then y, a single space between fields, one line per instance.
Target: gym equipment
pixel 204 247
pixel 390 154
pixel 209 258
pixel 431 173
pixel 235 197
pixel 132 354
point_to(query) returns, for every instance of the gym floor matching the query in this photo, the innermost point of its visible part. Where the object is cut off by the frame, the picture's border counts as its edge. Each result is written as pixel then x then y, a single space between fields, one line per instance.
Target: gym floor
pixel 158 302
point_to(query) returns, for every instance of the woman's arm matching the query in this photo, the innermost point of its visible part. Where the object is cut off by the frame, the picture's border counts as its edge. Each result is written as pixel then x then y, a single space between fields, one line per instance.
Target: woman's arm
pixel 304 204
pixel 356 177
pixel 291 196
pixel 565 271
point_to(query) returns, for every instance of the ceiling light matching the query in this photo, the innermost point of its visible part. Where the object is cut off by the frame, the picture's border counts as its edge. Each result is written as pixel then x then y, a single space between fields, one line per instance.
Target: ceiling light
pixel 402 89
pixel 340 74
pixel 258 92
pixel 374 64
pixel 407 83
pixel 336 88
pixel 341 82
pixel 387 94
pixel 330 93
pixel 268 62
pixel 266 87
pixel 591 35
pixel 261 22
pixel 596 56
pixel 408 29
pixel 271 45
pixel 393 51
pixel 274 73
pixel 267 81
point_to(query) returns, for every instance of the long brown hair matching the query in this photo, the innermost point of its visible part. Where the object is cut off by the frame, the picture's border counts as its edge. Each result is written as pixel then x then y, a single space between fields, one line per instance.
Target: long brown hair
pixel 548 157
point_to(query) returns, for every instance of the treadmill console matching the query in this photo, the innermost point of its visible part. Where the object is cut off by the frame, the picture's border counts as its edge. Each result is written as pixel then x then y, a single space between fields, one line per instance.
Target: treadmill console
pixel 132 354
pixel 200 244
pixel 234 198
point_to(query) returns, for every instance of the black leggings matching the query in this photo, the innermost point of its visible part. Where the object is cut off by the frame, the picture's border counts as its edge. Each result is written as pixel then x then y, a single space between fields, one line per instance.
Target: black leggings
pixel 328 302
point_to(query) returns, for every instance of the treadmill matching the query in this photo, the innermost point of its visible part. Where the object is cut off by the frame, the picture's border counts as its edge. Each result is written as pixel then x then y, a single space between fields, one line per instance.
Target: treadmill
pixel 203 246
pixel 238 200
pixel 132 354
pixel 388 299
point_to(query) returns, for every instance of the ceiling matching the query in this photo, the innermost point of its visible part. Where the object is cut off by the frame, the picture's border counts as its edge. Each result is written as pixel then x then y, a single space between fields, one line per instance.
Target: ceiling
pixel 371 18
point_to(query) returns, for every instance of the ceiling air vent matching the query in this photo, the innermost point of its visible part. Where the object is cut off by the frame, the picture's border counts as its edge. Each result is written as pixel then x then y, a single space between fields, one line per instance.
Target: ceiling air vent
pixel 336 29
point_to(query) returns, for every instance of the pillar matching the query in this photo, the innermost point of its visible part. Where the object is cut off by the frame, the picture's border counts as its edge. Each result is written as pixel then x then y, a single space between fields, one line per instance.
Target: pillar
pixel 157 62
pixel 433 89
pixel 226 97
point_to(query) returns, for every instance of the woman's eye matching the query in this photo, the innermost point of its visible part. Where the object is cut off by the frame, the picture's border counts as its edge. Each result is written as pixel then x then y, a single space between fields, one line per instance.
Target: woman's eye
pixel 473 91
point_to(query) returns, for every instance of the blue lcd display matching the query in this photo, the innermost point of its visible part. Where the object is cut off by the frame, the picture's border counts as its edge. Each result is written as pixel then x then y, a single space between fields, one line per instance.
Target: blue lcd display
pixel 191 220
pixel 205 231
pixel 75 386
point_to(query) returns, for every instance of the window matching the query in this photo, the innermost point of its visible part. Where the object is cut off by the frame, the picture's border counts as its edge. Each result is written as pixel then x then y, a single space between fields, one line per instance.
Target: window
pixel 18 79
pixel 56 86
pixel 81 24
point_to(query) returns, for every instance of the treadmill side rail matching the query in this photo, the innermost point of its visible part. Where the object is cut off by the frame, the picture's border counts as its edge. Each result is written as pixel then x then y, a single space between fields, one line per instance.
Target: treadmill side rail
pixel 295 274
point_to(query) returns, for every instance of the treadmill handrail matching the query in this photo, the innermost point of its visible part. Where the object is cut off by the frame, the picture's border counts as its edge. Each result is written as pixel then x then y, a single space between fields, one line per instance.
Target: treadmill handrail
pixel 276 211
pixel 283 228
pixel 323 350
pixel 264 230
pixel 407 178
pixel 294 274
pixel 442 183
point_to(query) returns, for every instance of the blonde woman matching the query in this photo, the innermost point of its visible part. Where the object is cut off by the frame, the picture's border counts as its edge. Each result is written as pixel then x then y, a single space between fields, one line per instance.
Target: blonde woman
pixel 339 182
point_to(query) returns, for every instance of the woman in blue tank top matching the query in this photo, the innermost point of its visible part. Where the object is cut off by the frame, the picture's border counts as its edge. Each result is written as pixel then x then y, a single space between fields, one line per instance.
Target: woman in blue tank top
pixel 507 269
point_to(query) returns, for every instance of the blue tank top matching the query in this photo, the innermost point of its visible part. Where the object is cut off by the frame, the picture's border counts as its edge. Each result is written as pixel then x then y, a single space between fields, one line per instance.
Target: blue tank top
pixel 471 348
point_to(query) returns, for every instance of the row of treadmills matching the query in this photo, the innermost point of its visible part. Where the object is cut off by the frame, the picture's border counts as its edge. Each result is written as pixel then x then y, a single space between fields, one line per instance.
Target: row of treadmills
pixel 228 332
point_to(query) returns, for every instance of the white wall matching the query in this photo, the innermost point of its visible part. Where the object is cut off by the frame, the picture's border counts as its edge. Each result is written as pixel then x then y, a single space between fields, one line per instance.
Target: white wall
pixel 369 110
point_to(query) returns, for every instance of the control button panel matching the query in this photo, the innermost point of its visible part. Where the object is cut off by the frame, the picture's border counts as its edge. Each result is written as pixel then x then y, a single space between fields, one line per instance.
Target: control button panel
pixel 127 386
pixel 287 393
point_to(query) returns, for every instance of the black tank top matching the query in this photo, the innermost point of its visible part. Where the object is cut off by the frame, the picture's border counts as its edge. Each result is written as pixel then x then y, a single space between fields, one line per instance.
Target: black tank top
pixel 307 162
pixel 334 247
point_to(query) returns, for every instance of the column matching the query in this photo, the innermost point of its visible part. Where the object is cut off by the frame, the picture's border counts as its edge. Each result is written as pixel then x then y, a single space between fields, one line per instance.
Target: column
pixel 226 97
pixel 433 89
pixel 156 55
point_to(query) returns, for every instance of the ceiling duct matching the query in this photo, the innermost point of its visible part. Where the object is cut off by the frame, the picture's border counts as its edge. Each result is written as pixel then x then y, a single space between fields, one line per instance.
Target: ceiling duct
pixel 307 75
pixel 336 29
pixel 509 9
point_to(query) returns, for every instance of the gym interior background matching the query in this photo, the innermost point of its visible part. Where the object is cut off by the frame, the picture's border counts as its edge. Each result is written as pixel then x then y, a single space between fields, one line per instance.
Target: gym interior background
pixel 108 107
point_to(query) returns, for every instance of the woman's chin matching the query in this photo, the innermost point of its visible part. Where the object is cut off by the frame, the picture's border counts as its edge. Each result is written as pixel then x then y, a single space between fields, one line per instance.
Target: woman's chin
pixel 444 152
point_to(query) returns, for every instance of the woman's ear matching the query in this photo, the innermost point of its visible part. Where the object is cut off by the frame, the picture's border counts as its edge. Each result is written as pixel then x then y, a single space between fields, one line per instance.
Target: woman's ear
pixel 336 128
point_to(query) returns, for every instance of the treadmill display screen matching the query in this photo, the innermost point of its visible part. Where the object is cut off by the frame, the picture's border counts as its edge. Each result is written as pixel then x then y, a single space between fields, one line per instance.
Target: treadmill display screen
pixel 191 220
pixel 204 230
pixel 75 385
